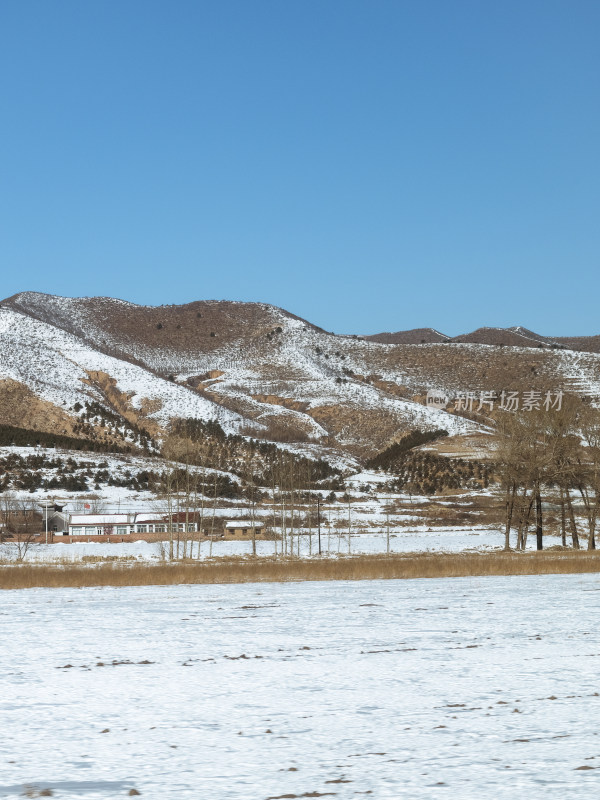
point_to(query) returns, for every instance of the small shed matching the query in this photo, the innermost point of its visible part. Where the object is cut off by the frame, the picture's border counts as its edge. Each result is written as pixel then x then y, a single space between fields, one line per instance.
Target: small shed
pixel 243 527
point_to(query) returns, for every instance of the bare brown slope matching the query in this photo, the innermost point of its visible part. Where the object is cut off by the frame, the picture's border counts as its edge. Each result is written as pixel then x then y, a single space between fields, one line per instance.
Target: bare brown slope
pixel 470 367
pixel 414 336
pixel 508 337
pixel 586 344
pixel 21 408
pixel 522 337
pixel 516 336
pixel 535 337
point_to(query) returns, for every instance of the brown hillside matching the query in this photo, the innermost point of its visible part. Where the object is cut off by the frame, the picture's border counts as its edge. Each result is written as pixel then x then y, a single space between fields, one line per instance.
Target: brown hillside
pixel 415 336
pixel 585 344
pixel 21 408
pixel 508 337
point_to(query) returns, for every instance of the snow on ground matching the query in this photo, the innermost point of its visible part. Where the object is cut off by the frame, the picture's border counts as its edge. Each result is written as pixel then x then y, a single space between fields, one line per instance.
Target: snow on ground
pixel 332 545
pixel 336 458
pixel 580 371
pixel 463 687
pixel 368 476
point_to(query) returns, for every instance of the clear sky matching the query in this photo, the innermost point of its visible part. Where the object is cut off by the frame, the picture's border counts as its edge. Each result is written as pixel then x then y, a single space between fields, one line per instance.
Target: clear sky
pixel 367 164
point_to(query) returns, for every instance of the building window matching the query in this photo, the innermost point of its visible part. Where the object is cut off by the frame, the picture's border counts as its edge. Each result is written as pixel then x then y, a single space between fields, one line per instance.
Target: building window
pixel 121 530
pixel 76 531
pixel 160 528
pixel 142 529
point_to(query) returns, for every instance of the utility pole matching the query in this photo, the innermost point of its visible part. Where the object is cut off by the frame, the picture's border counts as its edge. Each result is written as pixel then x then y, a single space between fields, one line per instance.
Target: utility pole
pixel 319 520
pixel 387 520
pixel 349 528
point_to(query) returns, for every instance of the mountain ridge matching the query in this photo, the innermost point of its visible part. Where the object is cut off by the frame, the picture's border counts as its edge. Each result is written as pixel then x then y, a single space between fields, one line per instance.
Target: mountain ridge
pixel 513 336
pixel 261 371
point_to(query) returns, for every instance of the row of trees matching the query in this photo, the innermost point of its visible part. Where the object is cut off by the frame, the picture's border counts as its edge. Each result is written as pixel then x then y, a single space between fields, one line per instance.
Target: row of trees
pixel 189 491
pixel 25 437
pixel 31 472
pixel 418 472
pixel 547 460
pixel 207 444
pixel 393 456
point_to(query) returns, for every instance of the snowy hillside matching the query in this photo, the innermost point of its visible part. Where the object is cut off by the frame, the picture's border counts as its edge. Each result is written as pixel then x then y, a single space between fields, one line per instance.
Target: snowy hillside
pixel 261 367
pixel 59 367
pixel 260 370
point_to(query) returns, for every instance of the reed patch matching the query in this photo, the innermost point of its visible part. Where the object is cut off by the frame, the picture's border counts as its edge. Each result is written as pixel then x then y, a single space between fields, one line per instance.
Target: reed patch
pixel 269 569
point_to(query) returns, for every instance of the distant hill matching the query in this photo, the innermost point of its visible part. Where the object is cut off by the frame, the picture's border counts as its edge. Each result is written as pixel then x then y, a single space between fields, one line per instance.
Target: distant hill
pixel 516 336
pixel 584 344
pixel 415 336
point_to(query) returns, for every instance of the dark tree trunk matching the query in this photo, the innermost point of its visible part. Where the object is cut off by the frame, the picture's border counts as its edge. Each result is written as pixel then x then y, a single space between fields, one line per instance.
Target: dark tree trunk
pixel 539 524
pixel 572 521
pixel 523 524
pixel 591 511
pixel 510 505
pixel 563 518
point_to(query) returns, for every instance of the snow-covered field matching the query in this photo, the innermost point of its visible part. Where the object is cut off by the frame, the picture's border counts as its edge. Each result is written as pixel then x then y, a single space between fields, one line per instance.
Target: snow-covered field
pixel 462 688
pixel 332 544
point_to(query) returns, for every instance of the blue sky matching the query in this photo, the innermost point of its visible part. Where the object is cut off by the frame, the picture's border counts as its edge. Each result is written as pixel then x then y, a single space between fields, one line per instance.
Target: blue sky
pixel 368 165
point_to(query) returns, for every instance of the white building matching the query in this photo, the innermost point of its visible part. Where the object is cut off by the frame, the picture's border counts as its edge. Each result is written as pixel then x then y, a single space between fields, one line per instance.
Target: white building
pixel 127 524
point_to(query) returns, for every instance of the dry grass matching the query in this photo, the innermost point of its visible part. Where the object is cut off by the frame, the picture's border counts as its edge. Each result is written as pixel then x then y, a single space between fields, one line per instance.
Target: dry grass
pixel 242 570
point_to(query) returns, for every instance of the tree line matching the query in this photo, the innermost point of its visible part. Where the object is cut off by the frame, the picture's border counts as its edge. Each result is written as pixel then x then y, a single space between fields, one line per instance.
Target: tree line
pixel 26 437
pixel 547 460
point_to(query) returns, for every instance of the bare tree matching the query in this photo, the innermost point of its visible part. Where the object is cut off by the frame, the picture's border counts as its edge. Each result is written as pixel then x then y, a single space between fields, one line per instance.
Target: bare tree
pixel 589 478
pixel 539 450
pixel 20 525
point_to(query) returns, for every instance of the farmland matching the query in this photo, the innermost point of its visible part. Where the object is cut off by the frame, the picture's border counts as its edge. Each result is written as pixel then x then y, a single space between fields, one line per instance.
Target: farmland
pixel 469 686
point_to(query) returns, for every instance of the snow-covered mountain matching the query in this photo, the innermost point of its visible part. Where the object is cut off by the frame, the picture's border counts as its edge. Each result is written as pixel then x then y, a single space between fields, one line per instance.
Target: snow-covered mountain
pixel 257 369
